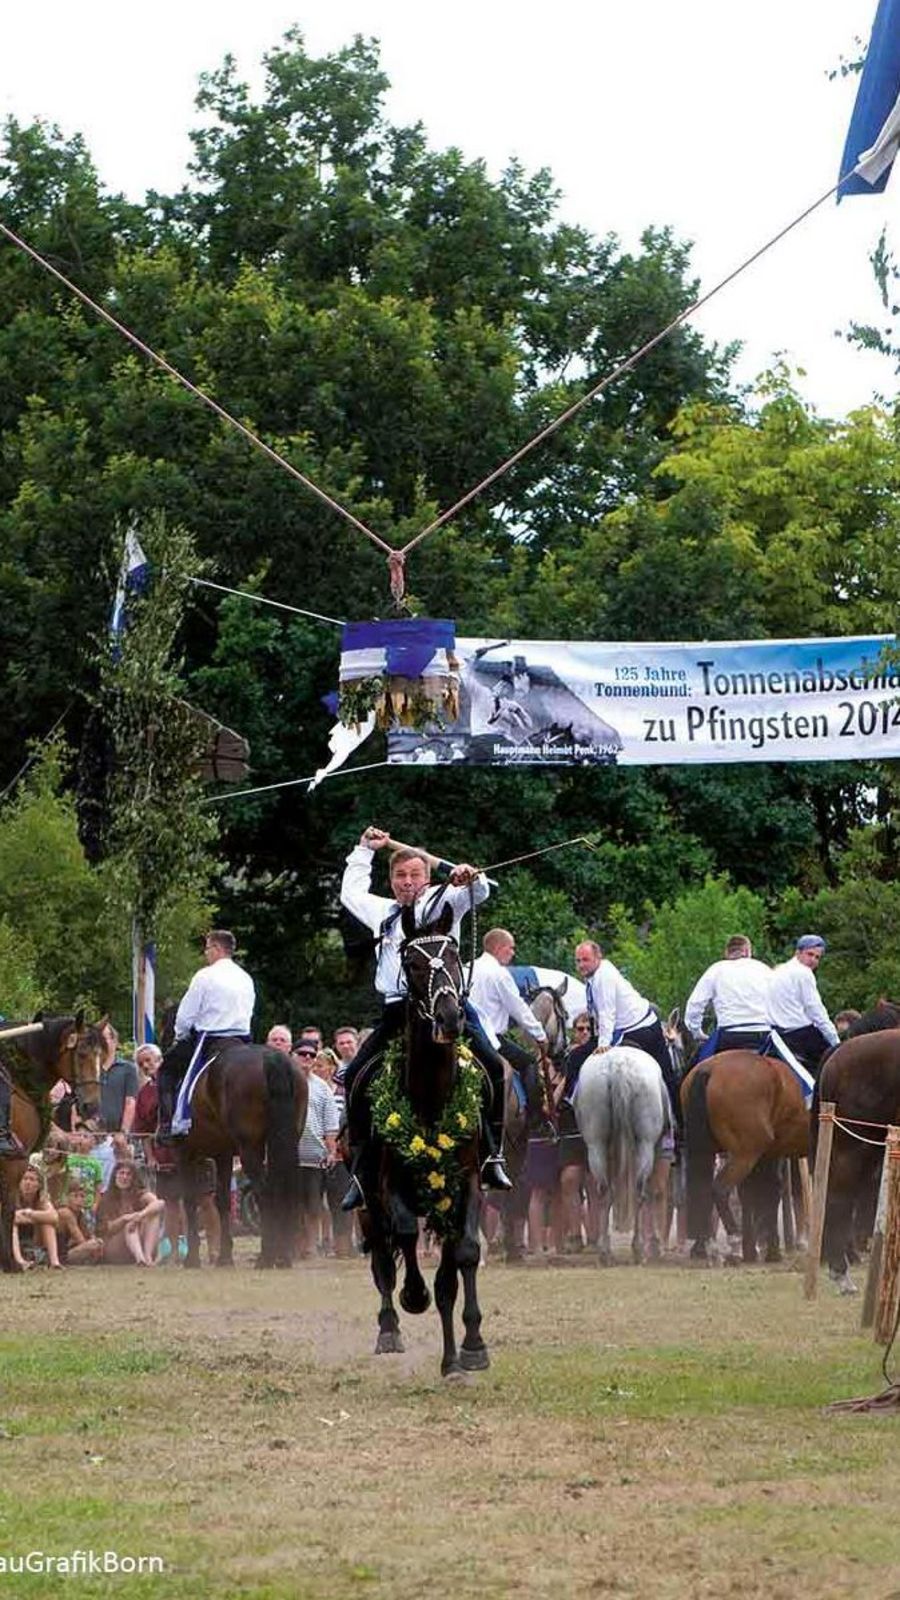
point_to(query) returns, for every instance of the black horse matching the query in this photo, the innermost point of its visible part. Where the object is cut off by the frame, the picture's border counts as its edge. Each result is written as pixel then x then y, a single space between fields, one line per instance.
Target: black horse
pixel 428 1073
pixel 862 1078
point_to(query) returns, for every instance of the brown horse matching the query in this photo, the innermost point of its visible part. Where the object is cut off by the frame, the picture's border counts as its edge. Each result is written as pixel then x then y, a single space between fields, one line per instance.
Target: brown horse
pixel 862 1078
pixel 249 1102
pixel 62 1047
pixel 750 1107
pixel 428 1076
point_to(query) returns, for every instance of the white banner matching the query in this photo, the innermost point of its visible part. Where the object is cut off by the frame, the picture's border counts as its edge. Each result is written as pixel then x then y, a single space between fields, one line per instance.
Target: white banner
pixel 524 701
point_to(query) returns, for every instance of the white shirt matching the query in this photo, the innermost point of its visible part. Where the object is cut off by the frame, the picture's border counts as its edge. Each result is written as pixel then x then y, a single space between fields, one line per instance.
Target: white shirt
pixel 794 1001
pixel 322 1116
pixel 495 997
pixel 219 999
pixel 617 1006
pixel 373 909
pixel 737 990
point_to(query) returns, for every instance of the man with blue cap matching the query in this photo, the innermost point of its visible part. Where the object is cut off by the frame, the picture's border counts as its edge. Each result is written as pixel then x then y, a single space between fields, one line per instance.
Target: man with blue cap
pixel 795 1009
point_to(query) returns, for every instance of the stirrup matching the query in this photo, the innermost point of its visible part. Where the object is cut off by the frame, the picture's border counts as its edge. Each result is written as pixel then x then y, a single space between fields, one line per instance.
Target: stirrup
pixel 354 1198
pixel 9 1144
pixel 493 1172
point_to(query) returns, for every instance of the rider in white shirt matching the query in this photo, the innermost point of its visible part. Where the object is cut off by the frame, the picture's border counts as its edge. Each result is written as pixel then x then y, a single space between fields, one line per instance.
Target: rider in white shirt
pixel 218 1004
pixel 737 989
pixel 795 1008
pixel 410 878
pixel 619 1015
pixel 494 995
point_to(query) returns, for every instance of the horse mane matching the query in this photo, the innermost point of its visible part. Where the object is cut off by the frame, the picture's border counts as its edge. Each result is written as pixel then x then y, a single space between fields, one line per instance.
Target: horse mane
pixel 884 1014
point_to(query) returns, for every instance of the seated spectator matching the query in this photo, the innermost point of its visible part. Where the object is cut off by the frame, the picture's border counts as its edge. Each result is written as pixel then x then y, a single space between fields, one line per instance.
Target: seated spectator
pixel 34 1239
pixel 78 1246
pixel 581 1029
pixel 129 1219
pixel 84 1167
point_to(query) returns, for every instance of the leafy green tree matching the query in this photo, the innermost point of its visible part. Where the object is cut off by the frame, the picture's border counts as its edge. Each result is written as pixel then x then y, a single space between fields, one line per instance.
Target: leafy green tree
pixel 665 956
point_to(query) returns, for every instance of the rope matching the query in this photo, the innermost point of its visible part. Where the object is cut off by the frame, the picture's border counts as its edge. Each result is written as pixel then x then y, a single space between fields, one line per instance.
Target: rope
pixel 36 751
pixel 579 839
pixel 623 367
pixel 289 783
pixel 858 1122
pixel 193 389
pixel 878 1143
pixel 261 600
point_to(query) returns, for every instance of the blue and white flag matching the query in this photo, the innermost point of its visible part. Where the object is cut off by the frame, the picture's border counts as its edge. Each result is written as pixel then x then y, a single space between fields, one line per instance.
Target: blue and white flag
pixel 134 576
pixel 873 138
pixel 143 965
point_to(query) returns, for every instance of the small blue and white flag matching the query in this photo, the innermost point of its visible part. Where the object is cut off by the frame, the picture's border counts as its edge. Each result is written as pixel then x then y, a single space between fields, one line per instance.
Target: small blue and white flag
pixel 873 138
pixel 143 965
pixel 134 575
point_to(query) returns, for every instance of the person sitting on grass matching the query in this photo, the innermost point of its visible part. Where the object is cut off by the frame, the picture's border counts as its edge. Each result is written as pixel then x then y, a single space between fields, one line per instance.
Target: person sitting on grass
pixel 78 1245
pixel 34 1223
pixel 129 1219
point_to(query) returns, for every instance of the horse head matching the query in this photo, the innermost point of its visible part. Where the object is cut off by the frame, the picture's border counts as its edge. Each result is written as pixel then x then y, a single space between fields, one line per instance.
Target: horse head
pixel 433 972
pixel 80 1058
pixel 680 1044
pixel 547 1005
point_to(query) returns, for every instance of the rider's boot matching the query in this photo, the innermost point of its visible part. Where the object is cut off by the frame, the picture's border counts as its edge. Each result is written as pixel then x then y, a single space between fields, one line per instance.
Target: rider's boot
pixel 9 1144
pixel 493 1168
pixel 167 1096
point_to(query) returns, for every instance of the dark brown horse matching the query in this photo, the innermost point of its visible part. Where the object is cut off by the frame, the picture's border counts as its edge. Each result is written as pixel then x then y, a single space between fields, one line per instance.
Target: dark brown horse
pixel 62 1047
pixel 249 1102
pixel 862 1078
pixel 750 1108
pixel 428 1075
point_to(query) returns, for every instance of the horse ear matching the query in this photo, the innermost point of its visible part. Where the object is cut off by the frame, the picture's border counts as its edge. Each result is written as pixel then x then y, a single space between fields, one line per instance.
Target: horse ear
pixel 79 1019
pixel 408 922
pixel 674 1017
pixel 559 992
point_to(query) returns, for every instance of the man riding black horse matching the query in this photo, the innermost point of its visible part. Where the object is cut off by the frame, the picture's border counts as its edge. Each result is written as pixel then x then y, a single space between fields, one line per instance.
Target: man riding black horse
pixel 410 875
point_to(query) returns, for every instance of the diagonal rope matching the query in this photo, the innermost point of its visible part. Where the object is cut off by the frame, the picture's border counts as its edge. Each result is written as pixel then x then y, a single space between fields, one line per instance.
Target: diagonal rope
pixel 290 783
pixel 581 838
pixel 623 367
pixel 263 600
pixel 193 389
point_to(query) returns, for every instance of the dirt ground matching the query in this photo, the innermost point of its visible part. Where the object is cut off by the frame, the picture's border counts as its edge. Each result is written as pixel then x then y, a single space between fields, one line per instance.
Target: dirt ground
pixel 642 1431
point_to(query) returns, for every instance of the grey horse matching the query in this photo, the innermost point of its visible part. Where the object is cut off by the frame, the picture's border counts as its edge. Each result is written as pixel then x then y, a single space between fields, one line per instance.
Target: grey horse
pixel 623 1115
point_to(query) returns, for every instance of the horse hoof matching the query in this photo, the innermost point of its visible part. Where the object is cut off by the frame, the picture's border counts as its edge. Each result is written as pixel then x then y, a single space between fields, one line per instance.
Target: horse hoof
pixel 389 1343
pixel 192 1263
pixel 734 1258
pixel 414 1302
pixel 604 1258
pixel 699 1251
pixel 637 1256
pixel 454 1373
pixel 773 1255
pixel 842 1281
pixel 474 1360
pixel 749 1255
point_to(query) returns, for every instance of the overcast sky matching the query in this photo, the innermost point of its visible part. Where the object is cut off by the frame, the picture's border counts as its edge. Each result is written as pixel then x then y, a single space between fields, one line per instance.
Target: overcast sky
pixel 716 118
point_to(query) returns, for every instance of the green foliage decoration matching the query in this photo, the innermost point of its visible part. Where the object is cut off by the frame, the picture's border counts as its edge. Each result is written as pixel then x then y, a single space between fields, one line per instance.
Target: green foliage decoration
pixel 430 1154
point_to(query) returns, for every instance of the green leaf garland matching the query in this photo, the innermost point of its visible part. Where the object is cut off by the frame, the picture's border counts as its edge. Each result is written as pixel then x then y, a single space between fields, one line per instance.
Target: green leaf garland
pixel 430 1154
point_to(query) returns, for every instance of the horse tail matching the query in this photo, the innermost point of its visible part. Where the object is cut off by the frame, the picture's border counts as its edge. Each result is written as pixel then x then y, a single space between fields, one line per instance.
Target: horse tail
pixel 282 1134
pixel 700 1151
pixel 622 1163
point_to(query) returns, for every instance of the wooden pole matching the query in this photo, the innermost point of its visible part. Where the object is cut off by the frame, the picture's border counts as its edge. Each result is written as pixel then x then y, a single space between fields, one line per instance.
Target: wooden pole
pixel 820 1195
pixel 886 1309
pixel 21 1030
pixel 873 1277
pixel 806 1190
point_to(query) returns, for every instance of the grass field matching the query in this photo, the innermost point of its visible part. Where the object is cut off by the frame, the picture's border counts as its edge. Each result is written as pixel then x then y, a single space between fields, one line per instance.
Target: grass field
pixel 645 1432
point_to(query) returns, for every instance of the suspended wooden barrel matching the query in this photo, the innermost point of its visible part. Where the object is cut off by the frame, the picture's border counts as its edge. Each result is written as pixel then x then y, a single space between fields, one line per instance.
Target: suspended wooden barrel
pixel 404 671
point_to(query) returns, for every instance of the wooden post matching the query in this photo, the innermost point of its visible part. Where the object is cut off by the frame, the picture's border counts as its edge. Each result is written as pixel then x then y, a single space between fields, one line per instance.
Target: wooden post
pixel 886 1309
pixel 21 1030
pixel 873 1277
pixel 820 1195
pixel 806 1188
pixel 787 1208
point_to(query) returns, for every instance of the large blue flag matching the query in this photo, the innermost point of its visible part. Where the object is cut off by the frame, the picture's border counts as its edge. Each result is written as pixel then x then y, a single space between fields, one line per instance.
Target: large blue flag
pixel 873 138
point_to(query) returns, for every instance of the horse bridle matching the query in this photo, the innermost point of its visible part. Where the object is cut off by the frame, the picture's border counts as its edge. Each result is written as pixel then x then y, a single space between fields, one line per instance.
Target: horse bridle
pixel 437 966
